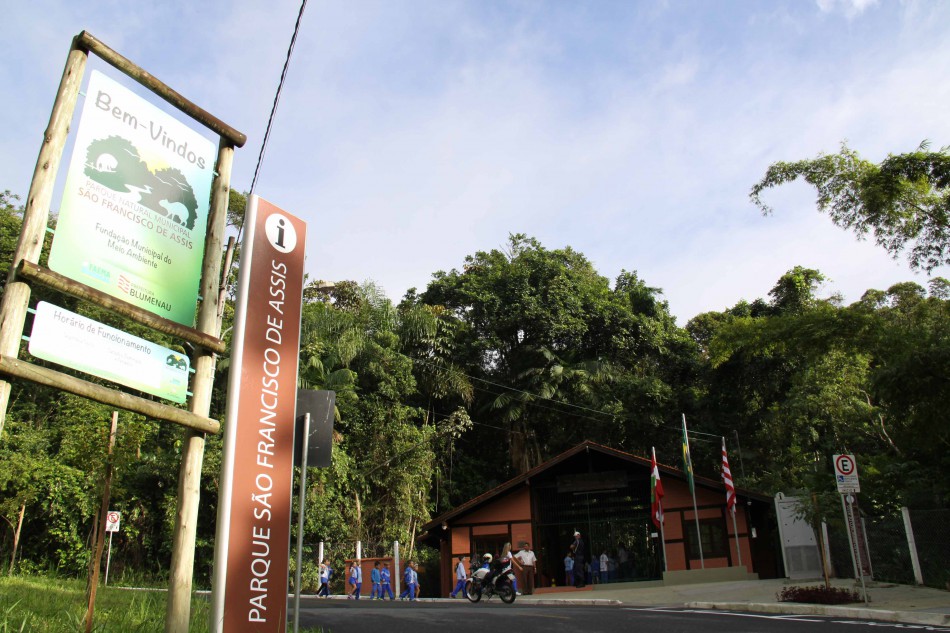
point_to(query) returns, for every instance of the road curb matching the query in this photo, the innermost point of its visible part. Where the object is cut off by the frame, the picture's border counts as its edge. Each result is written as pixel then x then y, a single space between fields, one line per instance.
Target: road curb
pixel 904 617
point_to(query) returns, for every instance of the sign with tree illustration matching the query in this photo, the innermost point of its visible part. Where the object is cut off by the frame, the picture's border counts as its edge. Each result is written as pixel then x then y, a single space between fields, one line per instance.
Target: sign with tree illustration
pixel 135 206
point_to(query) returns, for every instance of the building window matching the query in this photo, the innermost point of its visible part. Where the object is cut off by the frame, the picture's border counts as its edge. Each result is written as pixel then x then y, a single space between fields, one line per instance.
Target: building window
pixel 488 544
pixel 714 538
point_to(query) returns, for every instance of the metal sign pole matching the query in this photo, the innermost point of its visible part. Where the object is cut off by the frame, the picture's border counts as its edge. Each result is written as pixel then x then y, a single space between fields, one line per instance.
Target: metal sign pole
pixel 857 542
pixel 300 511
pixel 108 560
pixel 846 505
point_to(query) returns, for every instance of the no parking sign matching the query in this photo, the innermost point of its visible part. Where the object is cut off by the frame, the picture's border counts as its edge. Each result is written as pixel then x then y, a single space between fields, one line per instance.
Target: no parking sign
pixel 846 474
pixel 112 521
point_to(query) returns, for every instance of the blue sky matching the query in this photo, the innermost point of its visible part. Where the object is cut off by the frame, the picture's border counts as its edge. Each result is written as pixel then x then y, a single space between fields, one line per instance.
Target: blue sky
pixel 414 132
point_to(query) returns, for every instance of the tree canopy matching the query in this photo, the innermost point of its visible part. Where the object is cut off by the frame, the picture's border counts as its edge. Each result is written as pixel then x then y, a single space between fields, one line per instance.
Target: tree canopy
pixel 515 357
pixel 904 200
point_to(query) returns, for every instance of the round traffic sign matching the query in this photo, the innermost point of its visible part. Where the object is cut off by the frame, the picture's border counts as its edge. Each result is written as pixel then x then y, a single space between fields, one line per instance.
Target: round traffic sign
pixel 844 464
pixel 112 517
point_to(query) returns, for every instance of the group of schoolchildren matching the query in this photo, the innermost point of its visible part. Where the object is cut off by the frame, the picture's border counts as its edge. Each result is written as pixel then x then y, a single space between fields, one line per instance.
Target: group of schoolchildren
pixel 380 577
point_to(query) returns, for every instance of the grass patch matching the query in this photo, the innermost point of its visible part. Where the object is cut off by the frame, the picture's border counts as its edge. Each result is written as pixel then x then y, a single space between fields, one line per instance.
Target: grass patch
pixel 46 605
pixel 54 605
pixel 818 594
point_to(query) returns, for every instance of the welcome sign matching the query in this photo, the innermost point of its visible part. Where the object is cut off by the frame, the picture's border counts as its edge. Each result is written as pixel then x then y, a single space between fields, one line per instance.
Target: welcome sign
pixel 135 206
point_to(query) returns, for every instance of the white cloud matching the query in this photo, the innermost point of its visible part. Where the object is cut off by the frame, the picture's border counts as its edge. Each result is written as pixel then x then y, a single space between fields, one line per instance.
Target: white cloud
pixel 412 134
pixel 850 8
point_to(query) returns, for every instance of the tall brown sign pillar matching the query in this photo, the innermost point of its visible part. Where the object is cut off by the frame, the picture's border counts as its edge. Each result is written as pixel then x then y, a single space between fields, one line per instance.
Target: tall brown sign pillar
pixel 252 544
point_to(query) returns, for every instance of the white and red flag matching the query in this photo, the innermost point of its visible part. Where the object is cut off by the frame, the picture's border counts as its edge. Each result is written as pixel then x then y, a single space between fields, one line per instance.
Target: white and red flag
pixel 727 479
pixel 656 494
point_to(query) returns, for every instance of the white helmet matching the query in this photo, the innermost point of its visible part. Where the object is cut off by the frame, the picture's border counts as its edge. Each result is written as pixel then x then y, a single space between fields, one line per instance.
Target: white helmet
pixel 487 558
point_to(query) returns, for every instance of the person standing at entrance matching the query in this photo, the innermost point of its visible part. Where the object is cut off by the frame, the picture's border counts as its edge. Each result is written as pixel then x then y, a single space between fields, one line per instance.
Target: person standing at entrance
pixel 528 565
pixel 580 559
pixel 569 569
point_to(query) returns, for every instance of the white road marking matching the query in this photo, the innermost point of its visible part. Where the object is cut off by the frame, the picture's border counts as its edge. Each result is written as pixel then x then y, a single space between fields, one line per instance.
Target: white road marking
pixel 896 625
pixel 738 615
pixel 792 618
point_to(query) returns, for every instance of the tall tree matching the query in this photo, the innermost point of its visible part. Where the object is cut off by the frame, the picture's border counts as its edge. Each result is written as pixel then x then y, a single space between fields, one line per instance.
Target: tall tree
pixel 904 201
pixel 556 354
pixel 869 378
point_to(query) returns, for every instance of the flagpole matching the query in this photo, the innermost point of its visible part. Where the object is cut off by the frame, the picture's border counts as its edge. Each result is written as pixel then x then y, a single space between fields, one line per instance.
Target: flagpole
pixel 735 528
pixel 663 543
pixel 692 489
pixel 662 523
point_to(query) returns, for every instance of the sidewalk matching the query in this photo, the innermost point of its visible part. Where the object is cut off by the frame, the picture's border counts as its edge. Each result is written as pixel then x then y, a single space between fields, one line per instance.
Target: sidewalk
pixel 886 602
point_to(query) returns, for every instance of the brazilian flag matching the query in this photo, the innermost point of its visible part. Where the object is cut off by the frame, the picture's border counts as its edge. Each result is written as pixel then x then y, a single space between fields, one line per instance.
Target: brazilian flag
pixel 687 462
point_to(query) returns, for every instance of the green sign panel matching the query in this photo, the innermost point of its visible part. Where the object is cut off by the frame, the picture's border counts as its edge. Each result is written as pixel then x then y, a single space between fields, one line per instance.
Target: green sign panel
pixel 135 206
pixel 70 339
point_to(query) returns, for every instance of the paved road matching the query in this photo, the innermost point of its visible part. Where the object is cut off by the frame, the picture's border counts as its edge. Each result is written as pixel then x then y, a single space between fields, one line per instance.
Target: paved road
pixel 340 616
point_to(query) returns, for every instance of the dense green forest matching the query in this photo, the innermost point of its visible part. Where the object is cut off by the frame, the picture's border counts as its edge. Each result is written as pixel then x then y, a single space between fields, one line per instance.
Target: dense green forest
pixel 520 354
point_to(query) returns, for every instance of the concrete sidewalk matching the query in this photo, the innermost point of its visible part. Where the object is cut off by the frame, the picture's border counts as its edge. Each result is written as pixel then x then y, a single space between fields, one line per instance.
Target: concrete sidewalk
pixel 886 602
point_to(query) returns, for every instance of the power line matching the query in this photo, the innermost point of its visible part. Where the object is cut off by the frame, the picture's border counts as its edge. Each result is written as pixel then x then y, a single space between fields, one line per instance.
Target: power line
pixel 559 404
pixel 260 157
pixel 280 87
pixel 516 390
pixel 613 416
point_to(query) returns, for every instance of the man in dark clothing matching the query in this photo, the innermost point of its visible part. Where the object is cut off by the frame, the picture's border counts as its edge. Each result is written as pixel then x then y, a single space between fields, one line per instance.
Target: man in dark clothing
pixel 580 560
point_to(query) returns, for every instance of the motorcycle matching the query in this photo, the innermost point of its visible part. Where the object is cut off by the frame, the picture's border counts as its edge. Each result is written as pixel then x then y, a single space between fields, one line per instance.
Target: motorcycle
pixel 502 585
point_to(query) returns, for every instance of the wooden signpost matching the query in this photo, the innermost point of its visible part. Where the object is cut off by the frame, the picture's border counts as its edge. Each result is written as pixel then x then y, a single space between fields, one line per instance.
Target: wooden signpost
pixel 205 335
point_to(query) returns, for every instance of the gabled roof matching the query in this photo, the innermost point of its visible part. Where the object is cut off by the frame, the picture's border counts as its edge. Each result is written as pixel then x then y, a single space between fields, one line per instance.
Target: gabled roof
pixel 586 445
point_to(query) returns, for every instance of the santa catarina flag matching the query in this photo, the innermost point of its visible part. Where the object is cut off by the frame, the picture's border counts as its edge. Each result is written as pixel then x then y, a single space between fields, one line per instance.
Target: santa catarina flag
pixel 656 494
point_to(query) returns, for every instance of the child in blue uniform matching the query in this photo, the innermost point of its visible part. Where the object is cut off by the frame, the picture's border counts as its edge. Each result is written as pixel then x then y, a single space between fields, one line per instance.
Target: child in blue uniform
pixel 415 582
pixel 385 582
pixel 356 579
pixel 324 579
pixel 407 581
pixel 377 592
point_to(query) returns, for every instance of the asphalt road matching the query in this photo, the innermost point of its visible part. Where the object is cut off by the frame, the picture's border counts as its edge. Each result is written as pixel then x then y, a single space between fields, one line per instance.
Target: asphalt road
pixel 350 616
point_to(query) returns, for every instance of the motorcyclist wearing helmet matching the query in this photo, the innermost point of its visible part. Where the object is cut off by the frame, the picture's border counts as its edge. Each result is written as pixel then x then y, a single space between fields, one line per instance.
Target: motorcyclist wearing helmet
pixel 497 566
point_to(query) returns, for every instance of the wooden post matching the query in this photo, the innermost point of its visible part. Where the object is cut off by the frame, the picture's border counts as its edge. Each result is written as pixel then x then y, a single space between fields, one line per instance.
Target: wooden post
pixel 178 609
pixel 16 537
pixel 16 296
pixel 821 541
pixel 100 528
pixel 908 530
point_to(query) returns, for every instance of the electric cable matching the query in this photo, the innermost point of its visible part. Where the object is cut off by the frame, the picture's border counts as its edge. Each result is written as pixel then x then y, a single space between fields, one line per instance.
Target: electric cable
pixel 280 87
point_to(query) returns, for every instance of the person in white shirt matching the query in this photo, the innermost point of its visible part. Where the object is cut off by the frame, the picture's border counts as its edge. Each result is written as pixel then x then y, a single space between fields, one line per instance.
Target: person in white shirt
pixel 461 575
pixel 529 564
